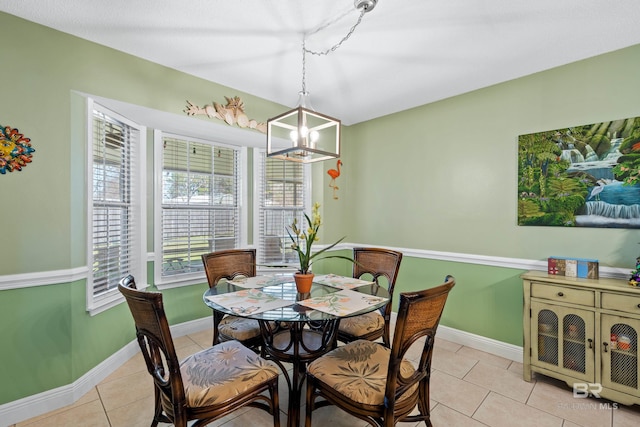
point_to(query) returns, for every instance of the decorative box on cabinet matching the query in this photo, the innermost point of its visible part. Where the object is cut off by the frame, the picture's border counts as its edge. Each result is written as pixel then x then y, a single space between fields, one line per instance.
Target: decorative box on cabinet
pixel 583 331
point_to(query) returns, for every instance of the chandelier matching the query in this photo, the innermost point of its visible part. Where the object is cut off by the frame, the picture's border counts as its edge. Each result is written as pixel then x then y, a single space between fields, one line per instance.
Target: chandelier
pixel 303 135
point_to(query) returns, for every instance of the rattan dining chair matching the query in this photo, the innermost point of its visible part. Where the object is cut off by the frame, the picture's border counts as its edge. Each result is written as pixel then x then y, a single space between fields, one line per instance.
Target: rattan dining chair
pixel 206 385
pixel 229 264
pixel 378 384
pixel 373 264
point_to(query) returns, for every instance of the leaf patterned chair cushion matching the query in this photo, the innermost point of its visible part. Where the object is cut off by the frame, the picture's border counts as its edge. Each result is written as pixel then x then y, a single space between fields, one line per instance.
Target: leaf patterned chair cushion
pixel 239 328
pixel 358 370
pixel 222 372
pixel 362 324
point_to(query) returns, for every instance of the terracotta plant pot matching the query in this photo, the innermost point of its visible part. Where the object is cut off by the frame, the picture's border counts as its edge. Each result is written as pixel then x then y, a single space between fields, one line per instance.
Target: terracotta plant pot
pixel 303 282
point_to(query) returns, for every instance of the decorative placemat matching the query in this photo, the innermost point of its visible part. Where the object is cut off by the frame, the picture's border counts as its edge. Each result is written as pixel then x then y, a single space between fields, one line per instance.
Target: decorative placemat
pixel 341 282
pixel 248 301
pixel 342 303
pixel 261 281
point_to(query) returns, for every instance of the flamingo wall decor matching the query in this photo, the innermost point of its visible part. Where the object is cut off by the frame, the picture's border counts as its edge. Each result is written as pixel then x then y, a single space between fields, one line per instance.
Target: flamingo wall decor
pixel 334 174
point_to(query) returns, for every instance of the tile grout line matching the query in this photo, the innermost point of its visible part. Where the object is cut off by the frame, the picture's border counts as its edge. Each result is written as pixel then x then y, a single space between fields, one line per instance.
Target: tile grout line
pixel 106 414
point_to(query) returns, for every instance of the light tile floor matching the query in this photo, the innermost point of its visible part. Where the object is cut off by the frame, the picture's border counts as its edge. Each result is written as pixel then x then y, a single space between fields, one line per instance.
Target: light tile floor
pixel 468 388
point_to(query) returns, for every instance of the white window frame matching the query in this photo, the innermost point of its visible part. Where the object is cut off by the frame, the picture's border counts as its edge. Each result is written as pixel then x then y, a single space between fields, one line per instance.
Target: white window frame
pixel 259 171
pixel 166 282
pixel 137 258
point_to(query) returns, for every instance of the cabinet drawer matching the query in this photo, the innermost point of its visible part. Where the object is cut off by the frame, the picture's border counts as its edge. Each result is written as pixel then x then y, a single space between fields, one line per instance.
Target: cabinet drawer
pixel 559 293
pixel 627 303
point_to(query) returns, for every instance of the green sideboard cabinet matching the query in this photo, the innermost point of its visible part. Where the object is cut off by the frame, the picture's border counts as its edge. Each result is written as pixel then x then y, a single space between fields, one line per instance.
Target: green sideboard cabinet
pixel 584 332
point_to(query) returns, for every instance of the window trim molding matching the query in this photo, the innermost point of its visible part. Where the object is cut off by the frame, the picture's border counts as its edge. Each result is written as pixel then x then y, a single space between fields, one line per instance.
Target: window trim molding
pixel 113 297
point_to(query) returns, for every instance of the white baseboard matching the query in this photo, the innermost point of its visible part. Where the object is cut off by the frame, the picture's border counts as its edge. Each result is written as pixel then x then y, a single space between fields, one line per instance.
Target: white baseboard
pixel 41 403
pixel 488 345
pixel 478 342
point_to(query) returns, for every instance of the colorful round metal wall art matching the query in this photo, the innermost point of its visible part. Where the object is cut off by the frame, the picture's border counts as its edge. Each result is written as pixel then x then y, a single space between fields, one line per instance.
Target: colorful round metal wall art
pixel 15 150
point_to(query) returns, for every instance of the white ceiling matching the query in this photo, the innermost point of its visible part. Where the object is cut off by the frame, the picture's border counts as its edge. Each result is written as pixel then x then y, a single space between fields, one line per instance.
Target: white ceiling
pixel 405 53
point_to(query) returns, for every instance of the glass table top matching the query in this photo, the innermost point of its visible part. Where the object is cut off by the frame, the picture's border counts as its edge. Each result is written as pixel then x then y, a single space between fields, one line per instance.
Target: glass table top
pixel 279 300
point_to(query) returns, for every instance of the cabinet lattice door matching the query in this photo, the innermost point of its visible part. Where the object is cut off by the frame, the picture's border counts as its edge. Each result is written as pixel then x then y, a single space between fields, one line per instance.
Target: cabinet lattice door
pixel 561 339
pixel 620 364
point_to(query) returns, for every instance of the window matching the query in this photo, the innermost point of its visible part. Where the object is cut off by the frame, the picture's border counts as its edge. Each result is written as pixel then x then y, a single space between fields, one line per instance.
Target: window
pixel 115 209
pixel 283 190
pixel 199 206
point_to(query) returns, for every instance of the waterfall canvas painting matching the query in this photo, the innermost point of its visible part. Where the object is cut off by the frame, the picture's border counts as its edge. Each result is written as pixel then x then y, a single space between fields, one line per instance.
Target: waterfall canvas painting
pixel 581 176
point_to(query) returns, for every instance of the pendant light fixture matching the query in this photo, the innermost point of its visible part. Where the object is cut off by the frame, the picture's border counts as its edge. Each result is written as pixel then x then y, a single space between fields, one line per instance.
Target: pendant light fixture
pixel 303 135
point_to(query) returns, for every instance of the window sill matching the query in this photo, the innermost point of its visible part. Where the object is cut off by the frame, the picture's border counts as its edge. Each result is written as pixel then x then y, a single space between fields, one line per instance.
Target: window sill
pixel 108 301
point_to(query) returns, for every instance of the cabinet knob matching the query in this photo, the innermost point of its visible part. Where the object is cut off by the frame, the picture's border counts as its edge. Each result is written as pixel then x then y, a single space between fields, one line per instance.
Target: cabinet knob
pixel 606 346
pixel 561 294
pixel 638 305
pixel 590 343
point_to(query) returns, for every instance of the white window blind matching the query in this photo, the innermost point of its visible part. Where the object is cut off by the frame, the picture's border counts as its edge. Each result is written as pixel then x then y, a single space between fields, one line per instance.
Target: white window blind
pixel 200 203
pixel 113 221
pixel 283 197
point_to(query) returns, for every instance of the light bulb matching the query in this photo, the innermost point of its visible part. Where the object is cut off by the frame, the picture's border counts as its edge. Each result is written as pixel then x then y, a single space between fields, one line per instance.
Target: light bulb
pixel 302 134
pixel 314 135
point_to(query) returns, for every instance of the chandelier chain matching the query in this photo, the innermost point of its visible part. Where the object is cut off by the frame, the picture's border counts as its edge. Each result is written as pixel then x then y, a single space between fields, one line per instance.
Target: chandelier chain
pixel 325 52
pixel 329 23
pixel 337 45
pixel 304 66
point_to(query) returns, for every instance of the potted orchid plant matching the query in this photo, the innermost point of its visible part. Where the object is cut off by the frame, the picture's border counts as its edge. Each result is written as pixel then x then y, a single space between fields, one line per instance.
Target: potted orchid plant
pixel 302 241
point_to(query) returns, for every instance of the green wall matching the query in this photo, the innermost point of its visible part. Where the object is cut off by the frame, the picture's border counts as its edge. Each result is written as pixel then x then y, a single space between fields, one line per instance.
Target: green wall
pixel 485 301
pixel 35 344
pixel 49 339
pixel 444 176
pixel 440 177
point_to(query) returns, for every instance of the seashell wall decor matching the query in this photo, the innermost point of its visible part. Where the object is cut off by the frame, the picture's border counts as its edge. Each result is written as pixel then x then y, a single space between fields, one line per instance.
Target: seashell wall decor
pixel 232 113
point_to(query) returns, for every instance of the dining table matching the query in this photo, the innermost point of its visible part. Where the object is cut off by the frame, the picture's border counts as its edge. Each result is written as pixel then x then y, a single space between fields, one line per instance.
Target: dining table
pixel 296 328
